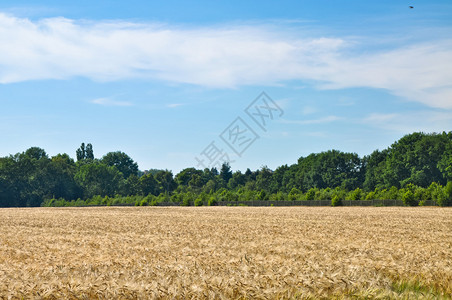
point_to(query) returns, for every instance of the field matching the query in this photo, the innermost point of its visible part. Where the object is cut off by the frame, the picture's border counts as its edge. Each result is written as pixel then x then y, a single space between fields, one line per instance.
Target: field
pixel 226 252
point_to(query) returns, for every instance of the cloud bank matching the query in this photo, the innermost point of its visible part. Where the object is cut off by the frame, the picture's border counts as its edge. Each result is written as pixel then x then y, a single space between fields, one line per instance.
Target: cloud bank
pixel 219 57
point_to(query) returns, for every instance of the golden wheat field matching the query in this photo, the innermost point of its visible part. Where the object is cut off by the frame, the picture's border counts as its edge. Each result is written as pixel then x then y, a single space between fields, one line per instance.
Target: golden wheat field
pixel 225 253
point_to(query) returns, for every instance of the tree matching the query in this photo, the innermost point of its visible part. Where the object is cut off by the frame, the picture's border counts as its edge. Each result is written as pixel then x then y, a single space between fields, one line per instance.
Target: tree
pixel 149 185
pixel 375 166
pixel 85 152
pixel 225 172
pixel 184 176
pixel 99 179
pixel 89 153
pixel 132 186
pixel 36 153
pixel 81 152
pixel 330 169
pixel 196 182
pixel 166 181
pixel 122 162
pixel 62 170
pixel 237 179
pixel 264 179
pixel 415 159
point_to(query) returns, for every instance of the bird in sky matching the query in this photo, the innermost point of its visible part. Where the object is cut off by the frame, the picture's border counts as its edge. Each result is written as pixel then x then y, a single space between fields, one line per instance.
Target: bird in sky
pixel 411 6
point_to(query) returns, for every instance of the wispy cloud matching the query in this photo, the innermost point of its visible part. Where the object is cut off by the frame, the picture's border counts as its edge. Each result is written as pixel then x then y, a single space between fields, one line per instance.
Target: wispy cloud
pixel 427 121
pixel 323 120
pixel 308 110
pixel 110 102
pixel 174 105
pixel 220 57
pixel 380 118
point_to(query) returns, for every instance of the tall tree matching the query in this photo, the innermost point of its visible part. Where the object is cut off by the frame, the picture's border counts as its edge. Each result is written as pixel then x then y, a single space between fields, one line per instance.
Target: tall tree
pixel 226 172
pixel 89 153
pixel 122 162
pixel 81 152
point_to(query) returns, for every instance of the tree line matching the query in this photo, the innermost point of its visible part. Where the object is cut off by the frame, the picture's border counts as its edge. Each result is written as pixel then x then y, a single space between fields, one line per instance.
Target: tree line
pixel 416 168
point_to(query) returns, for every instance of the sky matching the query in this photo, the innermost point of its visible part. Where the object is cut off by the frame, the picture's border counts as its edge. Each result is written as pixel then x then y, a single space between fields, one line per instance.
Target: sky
pixel 177 84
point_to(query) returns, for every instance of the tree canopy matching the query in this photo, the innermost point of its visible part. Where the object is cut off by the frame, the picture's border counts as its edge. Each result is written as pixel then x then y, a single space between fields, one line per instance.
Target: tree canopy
pixel 419 163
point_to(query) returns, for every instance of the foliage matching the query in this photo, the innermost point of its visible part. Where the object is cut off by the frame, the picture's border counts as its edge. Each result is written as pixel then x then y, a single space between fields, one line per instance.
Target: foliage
pixel 122 162
pixel 336 201
pixel 420 163
pixel 408 198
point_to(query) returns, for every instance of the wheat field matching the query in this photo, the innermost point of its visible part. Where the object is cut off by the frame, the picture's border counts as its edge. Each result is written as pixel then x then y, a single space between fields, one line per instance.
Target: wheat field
pixel 226 253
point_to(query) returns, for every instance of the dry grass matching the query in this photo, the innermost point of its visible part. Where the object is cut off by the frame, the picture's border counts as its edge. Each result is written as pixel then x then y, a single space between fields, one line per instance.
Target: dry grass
pixel 224 253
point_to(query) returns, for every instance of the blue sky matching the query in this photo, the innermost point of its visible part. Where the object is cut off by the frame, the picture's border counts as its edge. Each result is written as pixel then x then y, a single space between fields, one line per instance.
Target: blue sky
pixel 161 81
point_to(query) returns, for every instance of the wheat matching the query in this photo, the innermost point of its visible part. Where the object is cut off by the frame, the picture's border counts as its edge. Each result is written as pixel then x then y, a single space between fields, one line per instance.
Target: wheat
pixel 225 253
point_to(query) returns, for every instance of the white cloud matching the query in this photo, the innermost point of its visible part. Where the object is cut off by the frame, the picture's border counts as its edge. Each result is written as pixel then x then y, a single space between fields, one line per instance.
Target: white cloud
pixel 323 120
pixel 110 102
pixel 174 105
pixel 380 118
pixel 426 121
pixel 308 110
pixel 221 57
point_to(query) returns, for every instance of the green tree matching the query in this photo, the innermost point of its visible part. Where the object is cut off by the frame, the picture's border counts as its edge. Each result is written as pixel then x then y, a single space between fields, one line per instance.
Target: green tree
pixel 166 181
pixel 184 176
pixel 415 159
pixel 122 162
pixel 61 183
pixel 264 179
pixel 132 186
pixel 99 179
pixel 148 185
pixel 375 166
pixel 226 173
pixel 330 169
pixel 238 179
pixel 196 182
pixel 89 153
pixel 81 152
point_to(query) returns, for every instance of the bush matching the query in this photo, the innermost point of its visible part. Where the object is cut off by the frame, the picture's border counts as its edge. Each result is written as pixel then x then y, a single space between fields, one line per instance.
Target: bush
pixel 393 193
pixel 186 201
pixel 445 198
pixel 356 194
pixel 199 202
pixel 262 195
pixel 310 194
pixel 294 194
pixel 212 201
pixel 336 201
pixel 371 196
pixel 408 199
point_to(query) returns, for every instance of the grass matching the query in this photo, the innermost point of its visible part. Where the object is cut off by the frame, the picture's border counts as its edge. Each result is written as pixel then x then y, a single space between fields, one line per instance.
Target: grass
pixel 226 253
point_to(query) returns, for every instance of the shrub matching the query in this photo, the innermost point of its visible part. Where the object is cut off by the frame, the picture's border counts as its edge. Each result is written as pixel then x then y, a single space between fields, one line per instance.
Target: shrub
pixel 393 193
pixel 186 201
pixel 294 194
pixel 356 194
pixel 310 194
pixel 212 201
pixel 408 199
pixel 262 195
pixel 199 202
pixel 336 201
pixel 445 198
pixel 370 196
